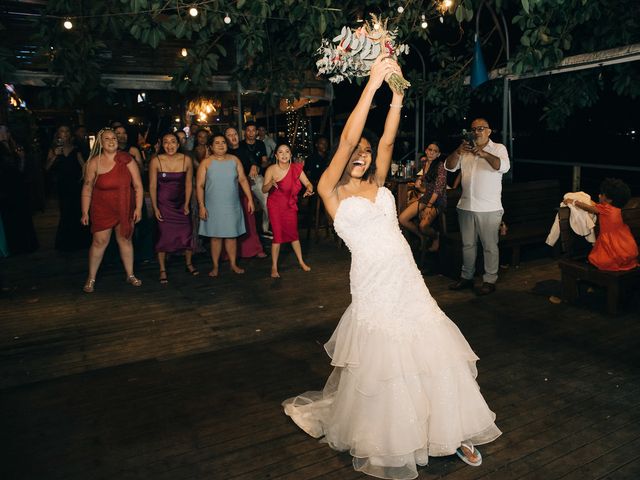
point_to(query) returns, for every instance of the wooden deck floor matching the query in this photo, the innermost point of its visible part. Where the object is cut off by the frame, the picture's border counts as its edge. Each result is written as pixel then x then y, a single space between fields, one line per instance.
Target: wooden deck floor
pixel 185 381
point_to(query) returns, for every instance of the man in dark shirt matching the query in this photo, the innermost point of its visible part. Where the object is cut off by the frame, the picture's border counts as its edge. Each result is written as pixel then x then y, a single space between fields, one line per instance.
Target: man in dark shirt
pixel 257 151
pixel 233 148
pixel 318 161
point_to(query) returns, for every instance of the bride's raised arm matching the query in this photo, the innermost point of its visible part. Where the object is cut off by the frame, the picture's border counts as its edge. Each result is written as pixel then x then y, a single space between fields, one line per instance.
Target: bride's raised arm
pixel 352 132
pixel 385 147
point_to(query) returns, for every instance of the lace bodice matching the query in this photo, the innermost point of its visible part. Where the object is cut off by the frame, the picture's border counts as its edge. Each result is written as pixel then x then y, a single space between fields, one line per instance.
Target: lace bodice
pixel 385 281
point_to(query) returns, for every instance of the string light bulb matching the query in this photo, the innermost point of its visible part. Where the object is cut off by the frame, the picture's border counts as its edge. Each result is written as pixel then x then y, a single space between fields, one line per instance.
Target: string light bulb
pixel 184 52
pixel 193 11
pixel 400 9
pixel 447 3
pixel 68 24
pixel 441 19
pixel 424 23
pixel 227 19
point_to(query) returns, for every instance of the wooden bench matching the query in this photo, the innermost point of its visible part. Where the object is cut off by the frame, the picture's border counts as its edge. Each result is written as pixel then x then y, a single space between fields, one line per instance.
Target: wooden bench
pixel 575 268
pixel 529 212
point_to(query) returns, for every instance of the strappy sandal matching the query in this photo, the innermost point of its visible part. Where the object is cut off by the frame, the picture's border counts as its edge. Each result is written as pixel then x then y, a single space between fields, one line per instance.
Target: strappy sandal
pixel 136 282
pixel 465 459
pixel 189 268
pixel 163 277
pixel 89 287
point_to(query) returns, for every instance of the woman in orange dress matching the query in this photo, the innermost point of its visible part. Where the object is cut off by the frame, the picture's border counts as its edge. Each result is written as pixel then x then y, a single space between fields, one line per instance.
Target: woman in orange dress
pixel 615 248
pixel 111 200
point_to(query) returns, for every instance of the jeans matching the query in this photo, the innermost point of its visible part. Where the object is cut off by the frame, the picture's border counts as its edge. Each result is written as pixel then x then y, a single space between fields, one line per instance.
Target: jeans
pixel 483 225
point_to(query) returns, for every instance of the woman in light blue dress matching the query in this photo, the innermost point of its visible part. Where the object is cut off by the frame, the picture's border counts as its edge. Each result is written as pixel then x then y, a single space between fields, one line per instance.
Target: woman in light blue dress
pixel 221 215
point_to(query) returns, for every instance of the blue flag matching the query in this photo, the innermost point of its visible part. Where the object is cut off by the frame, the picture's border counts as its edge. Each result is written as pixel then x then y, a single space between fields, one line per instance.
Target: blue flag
pixel 478 69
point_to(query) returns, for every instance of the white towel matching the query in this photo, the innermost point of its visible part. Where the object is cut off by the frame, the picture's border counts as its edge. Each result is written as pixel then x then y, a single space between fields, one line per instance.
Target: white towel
pixel 581 221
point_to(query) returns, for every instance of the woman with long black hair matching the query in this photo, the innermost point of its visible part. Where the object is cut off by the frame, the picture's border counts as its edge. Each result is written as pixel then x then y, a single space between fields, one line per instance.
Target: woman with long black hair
pixel 403 386
pixel 433 187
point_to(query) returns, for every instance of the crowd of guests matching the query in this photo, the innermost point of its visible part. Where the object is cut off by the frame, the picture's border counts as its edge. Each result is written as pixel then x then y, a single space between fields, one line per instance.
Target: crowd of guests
pixel 236 192
pixel 224 189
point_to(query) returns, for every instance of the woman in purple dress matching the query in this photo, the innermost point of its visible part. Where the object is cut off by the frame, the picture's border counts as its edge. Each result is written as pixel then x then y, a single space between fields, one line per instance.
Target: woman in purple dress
pixel 170 186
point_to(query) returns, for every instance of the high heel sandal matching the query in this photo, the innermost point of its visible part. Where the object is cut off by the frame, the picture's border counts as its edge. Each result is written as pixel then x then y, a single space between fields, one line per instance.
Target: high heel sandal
pixel 189 268
pixel 89 287
pixel 164 279
pixel 136 282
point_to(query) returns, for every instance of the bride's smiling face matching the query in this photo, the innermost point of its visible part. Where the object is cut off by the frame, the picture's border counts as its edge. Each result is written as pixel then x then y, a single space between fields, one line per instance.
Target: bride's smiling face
pixel 361 159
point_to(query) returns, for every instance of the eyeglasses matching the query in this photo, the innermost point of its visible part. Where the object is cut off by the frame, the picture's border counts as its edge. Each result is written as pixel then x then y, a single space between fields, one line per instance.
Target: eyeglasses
pixel 478 129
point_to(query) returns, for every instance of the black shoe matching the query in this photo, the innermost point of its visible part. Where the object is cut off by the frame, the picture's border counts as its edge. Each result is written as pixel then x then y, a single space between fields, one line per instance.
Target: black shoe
pixel 486 289
pixel 461 284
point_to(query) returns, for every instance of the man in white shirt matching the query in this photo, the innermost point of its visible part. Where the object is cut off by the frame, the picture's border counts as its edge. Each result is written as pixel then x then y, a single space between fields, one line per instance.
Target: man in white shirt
pixel 480 207
pixel 269 142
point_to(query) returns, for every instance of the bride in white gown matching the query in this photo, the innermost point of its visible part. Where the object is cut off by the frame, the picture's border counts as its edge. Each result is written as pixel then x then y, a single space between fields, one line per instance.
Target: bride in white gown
pixel 403 387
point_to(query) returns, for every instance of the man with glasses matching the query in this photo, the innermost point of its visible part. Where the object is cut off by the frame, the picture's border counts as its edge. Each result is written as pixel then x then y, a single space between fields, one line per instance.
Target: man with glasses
pixel 482 165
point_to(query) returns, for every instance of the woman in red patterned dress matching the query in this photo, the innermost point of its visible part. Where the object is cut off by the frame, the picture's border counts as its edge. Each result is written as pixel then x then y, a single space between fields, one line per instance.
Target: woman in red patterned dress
pixel 283 181
pixel 111 200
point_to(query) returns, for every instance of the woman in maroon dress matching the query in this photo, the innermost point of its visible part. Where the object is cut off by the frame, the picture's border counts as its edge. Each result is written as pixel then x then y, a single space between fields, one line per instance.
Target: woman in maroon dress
pixel 112 199
pixel 283 181
pixel 170 187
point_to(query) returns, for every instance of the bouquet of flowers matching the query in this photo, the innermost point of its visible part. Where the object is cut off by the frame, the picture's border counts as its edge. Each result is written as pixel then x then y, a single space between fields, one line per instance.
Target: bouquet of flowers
pixel 352 53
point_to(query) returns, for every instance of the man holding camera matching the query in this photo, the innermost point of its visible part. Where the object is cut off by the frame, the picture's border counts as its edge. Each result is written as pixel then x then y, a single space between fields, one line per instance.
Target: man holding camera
pixel 482 164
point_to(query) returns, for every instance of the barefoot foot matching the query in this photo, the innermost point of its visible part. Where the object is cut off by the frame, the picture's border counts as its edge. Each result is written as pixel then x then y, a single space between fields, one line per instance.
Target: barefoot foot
pixel 305 267
pixel 237 269
pixel 274 273
pixel 214 272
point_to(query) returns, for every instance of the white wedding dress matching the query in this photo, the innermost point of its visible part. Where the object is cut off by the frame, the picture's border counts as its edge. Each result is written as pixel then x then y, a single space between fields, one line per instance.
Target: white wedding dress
pixel 403 387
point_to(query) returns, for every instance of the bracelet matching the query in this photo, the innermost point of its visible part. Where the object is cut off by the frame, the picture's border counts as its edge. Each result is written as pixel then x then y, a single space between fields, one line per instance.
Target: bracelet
pixel 395 106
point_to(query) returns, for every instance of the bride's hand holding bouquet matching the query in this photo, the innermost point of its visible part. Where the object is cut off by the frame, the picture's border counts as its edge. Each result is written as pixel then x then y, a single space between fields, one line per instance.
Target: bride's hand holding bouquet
pixel 381 70
pixel 355 52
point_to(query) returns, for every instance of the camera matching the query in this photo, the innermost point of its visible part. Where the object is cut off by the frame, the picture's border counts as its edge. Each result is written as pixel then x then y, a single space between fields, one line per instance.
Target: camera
pixel 469 137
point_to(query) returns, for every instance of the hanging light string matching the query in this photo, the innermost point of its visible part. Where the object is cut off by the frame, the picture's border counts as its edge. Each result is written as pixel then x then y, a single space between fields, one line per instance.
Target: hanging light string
pixel 188 6
pixel 191 8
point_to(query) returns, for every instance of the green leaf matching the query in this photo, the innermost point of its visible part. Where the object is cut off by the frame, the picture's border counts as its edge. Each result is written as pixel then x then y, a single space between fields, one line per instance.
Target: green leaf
pixel 322 23
pixel 460 13
pixel 468 14
pixel 525 6
pixel 180 29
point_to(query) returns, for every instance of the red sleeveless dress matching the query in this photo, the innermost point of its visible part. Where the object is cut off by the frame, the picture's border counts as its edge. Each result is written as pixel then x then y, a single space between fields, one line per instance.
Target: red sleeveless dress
pixel 113 200
pixel 282 204
pixel 615 248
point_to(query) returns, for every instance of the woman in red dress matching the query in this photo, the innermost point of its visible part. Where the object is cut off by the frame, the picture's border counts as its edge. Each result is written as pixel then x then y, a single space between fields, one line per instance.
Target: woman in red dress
pixel 283 181
pixel 111 200
pixel 615 248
